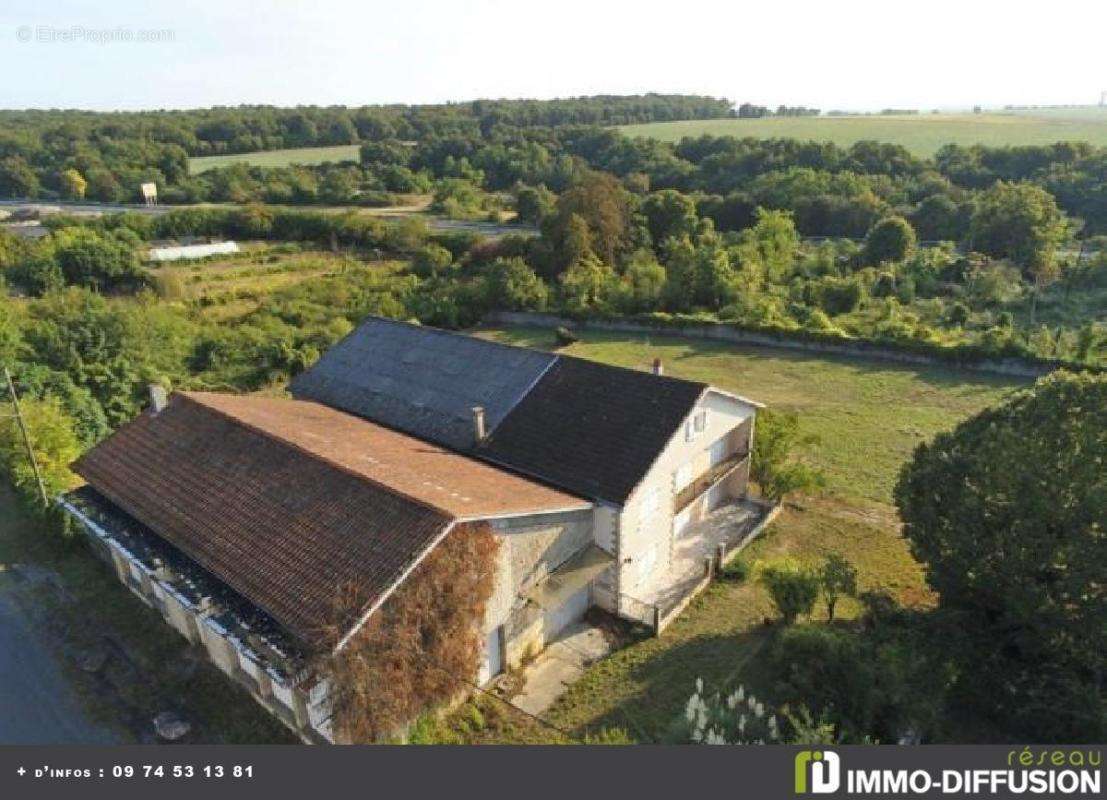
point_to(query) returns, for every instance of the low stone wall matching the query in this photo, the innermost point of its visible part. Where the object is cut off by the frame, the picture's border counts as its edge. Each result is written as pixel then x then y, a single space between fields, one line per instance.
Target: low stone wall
pixel 724 332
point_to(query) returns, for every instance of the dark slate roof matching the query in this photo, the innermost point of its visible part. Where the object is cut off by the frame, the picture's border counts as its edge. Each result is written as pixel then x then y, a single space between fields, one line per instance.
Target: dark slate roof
pixel 591 428
pixel 421 380
pixel 280 526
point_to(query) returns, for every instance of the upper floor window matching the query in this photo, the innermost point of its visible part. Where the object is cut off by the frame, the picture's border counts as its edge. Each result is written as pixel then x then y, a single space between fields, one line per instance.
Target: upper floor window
pixel 695 425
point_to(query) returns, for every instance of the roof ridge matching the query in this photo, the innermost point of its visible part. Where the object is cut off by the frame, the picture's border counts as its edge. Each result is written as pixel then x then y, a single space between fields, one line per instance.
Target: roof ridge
pixel 453 334
pixel 635 370
pixel 554 356
pixel 190 396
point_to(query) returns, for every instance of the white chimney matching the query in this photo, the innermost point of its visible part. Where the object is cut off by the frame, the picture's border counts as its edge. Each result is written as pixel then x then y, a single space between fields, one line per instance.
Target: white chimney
pixel 658 369
pixel 158 398
pixel 478 424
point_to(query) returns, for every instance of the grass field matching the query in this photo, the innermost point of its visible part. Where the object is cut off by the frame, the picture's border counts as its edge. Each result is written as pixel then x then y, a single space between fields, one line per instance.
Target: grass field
pixel 276 158
pixel 922 134
pixel 869 416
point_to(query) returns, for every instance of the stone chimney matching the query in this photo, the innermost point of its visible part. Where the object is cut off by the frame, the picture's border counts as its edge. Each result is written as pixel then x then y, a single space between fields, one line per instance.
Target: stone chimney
pixel 478 424
pixel 658 368
pixel 158 398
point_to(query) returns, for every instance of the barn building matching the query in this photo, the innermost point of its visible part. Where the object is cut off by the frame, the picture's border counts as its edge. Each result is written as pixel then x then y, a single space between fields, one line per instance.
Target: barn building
pixel 238 516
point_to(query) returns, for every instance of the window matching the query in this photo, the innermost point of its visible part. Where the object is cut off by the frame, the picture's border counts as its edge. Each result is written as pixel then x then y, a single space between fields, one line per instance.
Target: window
pixel 699 421
pixel 696 425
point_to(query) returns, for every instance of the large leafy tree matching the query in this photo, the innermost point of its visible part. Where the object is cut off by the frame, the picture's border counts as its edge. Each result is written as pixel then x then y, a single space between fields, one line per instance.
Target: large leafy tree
pixel 53 443
pixel 1008 514
pixel 670 214
pixel 600 201
pixel 1022 222
pixel 772 241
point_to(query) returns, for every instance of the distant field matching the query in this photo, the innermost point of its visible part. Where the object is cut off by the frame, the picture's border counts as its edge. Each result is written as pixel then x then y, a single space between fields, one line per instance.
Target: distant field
pixel 276 158
pixel 922 134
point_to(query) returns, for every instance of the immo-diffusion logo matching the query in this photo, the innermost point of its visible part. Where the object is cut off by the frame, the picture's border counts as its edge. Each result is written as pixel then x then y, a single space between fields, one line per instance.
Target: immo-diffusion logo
pixel 825 769
pixel 1058 771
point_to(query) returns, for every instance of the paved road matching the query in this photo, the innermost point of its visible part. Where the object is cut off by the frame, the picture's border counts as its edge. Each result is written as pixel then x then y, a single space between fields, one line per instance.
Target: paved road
pixel 37 703
pixel 435 223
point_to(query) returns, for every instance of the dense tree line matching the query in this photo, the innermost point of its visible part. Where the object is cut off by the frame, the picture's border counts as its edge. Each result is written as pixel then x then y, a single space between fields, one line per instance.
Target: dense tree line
pixel 493 146
pixel 112 153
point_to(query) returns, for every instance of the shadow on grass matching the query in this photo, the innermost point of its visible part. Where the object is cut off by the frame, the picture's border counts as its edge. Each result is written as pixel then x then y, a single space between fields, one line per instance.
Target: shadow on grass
pixel 664 678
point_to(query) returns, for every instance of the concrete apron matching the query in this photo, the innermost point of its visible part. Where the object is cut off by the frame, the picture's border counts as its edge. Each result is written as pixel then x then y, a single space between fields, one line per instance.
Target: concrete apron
pixel 560 665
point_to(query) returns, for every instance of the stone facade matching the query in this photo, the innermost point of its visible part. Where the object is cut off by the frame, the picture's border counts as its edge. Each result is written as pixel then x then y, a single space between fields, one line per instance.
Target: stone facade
pixel 531 547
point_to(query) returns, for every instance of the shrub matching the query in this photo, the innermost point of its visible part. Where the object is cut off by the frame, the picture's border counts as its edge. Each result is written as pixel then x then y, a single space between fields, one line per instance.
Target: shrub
pixel 431 261
pixel 565 337
pixel 891 239
pixel 793 589
pixel 513 286
pixel 838 295
pixel 53 442
pixel 609 736
pixel 169 286
pixel 959 314
pixel 775 466
pixel 885 285
pixel 740 718
pixel 737 570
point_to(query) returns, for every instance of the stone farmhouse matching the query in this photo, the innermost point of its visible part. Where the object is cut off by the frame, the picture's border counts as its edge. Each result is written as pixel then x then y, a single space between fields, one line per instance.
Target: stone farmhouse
pixel 238 516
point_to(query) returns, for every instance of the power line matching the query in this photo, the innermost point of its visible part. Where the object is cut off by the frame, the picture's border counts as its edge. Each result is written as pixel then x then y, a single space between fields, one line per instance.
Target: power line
pixel 26 437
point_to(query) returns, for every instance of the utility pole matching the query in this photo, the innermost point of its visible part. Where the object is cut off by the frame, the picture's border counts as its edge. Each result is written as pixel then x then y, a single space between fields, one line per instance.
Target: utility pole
pixel 26 437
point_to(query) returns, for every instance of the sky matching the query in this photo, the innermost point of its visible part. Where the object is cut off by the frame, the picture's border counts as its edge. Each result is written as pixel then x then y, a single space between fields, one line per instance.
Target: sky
pixel 833 54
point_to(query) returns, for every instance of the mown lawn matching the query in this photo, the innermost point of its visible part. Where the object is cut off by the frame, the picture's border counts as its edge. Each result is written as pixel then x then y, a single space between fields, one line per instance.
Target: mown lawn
pixel 869 416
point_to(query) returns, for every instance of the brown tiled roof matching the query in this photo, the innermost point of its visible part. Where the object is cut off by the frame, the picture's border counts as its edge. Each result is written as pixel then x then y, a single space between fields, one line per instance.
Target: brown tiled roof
pixel 276 498
pixel 460 486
